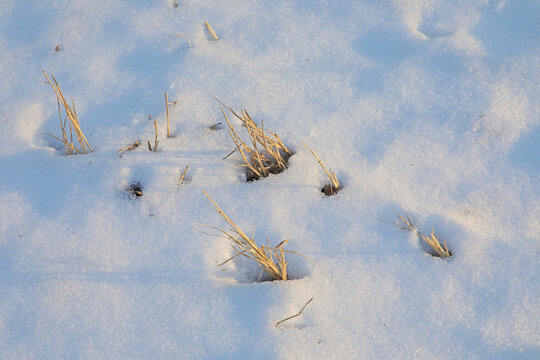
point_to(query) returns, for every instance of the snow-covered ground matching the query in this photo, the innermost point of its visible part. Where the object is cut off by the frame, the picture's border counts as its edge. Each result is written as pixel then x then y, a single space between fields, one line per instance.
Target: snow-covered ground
pixel 430 108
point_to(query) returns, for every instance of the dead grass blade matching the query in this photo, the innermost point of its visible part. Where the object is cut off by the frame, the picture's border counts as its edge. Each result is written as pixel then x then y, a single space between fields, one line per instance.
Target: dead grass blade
pixel 299 313
pixel 130 147
pixel 409 225
pixel 334 182
pixel 167 109
pixel 211 31
pixel 181 181
pixel 74 125
pixel 270 259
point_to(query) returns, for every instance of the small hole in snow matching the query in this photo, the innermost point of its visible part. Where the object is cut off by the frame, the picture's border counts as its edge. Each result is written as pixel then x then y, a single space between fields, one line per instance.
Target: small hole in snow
pixel 135 189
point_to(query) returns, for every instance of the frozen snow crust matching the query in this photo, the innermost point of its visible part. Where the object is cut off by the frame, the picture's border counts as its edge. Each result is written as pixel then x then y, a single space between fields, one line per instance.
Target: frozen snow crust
pixel 429 108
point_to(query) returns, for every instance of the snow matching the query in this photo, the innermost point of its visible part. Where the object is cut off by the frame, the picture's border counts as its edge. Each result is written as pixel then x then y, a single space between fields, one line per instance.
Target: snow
pixel 428 108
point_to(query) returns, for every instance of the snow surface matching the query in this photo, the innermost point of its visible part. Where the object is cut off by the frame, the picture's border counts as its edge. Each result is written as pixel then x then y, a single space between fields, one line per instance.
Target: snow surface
pixel 430 108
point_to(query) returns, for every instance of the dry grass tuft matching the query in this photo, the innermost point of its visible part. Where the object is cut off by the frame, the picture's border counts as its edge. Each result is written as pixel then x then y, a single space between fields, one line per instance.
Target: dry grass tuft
pixel 265 154
pixel 409 225
pixel 435 244
pixel 74 126
pixel 211 31
pixel 334 186
pixel 270 259
pixel 431 240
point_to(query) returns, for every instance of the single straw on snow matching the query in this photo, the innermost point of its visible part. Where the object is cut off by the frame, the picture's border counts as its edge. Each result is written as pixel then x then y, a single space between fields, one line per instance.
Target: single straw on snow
pixel 167 110
pixel 181 181
pixel 211 31
pixel 296 315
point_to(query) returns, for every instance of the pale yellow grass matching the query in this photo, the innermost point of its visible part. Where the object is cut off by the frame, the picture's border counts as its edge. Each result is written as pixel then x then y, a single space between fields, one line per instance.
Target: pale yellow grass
pixel 211 31
pixel 270 259
pixel 74 125
pixel 431 240
pixel 181 181
pixel 265 153
pixel 331 175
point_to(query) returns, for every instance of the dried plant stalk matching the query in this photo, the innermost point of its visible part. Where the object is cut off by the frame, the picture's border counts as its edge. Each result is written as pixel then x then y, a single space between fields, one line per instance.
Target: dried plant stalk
pixel 331 175
pixel 74 125
pixel 409 225
pixel 296 315
pixel 156 141
pixel 270 259
pixel 130 146
pixel 167 110
pixel 211 31
pixel 265 153
pixel 181 181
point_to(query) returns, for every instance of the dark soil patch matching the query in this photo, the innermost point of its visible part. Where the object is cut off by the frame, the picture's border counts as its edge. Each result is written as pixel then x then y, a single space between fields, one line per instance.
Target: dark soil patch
pixel 330 190
pixel 272 168
pixel 135 189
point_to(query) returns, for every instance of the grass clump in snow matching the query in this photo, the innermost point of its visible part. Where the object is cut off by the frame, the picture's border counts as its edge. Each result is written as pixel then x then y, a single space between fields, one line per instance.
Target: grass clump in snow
pixel 74 125
pixel 435 244
pixel 270 259
pixel 333 187
pixel 432 240
pixel 265 153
